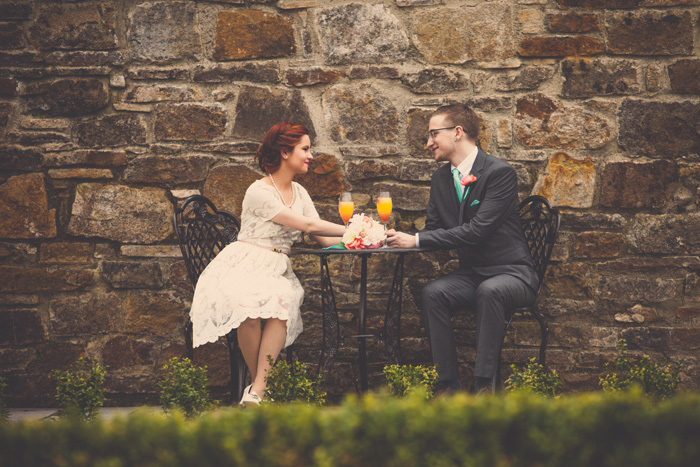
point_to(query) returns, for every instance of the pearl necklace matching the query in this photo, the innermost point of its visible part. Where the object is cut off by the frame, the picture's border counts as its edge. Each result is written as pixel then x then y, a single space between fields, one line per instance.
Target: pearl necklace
pixel 274 185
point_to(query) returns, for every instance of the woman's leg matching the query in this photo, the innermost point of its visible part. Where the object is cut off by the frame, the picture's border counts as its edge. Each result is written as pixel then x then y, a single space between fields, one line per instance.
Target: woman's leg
pixel 249 335
pixel 273 337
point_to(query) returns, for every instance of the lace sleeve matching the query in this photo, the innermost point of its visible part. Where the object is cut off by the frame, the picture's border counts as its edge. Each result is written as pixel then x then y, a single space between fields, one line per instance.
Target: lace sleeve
pixel 308 204
pixel 262 201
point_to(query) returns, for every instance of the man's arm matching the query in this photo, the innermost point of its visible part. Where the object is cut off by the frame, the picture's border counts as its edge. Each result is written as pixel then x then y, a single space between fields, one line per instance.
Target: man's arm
pixel 497 205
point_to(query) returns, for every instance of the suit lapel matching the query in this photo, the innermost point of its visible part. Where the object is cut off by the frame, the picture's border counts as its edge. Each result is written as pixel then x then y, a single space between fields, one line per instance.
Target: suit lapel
pixel 477 169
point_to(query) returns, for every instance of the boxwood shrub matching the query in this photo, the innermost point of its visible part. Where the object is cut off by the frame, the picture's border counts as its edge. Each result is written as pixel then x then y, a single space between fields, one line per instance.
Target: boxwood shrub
pixel 521 429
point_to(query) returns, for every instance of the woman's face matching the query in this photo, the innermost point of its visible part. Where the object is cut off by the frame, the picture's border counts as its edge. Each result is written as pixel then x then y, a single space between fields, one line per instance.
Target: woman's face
pixel 300 157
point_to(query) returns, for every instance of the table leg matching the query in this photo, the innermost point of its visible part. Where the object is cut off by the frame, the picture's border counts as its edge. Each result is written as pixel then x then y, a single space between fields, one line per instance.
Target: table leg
pixel 392 319
pixel 362 343
pixel 331 329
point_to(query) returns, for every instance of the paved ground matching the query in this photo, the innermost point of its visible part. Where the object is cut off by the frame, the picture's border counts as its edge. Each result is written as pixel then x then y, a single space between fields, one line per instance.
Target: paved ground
pixel 46 414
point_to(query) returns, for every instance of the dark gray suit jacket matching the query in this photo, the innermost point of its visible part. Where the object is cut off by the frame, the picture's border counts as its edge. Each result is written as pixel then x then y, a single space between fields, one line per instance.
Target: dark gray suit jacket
pixel 485 228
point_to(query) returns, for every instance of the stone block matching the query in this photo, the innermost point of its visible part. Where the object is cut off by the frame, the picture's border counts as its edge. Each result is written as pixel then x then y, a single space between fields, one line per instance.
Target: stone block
pixel 121 213
pixel 16 359
pixel 361 33
pixel 376 72
pixel 247 34
pixel 231 148
pixel 660 129
pixel 89 26
pixel 8 87
pixel 685 76
pixel 132 274
pixel 121 352
pixel 152 312
pixel 160 93
pixel 667 234
pixel 504 133
pixel 560 46
pixel 586 77
pixel 370 151
pixel 86 314
pixel 572 22
pixel 84 58
pixel 5 113
pixel 573 280
pixel 324 178
pixel 630 185
pixel 163 31
pixel 171 170
pixel 15 10
pixel 656 78
pixel 567 181
pixel 68 97
pixel 151 251
pixel 436 81
pixel 189 122
pixel 65 253
pixel 405 197
pixel 542 122
pixel 94 174
pixel 16 158
pixel 38 138
pixel 21 327
pixel 417 132
pixel 531 20
pixel 24 208
pixel 664 33
pixel 413 3
pixel 30 279
pixel 483 32
pixel 692 285
pixel 599 4
pixel 598 245
pixel 259 108
pixel 255 72
pixel 360 113
pixel 136 73
pixel 11 36
pixel 111 130
pixel 418 170
pixel 99 158
pixel 369 169
pixel 226 186
pixel 647 338
pixel 314 75
pixel 526 78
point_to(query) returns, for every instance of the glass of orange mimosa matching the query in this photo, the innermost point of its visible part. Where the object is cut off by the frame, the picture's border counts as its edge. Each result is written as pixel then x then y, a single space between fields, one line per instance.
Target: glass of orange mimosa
pixel 346 207
pixel 384 206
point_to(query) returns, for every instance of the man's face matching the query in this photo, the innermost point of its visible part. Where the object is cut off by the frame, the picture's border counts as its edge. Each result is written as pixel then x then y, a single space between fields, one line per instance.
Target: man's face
pixel 441 136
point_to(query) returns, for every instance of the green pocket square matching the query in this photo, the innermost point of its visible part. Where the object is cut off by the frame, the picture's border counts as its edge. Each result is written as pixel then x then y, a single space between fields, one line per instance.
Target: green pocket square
pixel 475 202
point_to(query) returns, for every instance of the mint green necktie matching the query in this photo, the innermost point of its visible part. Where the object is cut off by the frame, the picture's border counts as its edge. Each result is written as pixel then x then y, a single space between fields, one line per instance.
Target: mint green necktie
pixel 457 177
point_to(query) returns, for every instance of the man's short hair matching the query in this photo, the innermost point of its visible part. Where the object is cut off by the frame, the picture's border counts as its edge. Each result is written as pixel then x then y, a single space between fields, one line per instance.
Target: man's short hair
pixel 461 115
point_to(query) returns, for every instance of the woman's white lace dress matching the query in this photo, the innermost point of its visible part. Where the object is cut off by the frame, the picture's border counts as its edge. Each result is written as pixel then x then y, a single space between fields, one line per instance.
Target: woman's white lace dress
pixel 246 281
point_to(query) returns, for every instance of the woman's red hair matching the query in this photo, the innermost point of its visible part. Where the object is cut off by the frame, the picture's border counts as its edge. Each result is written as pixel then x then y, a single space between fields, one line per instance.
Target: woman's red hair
pixel 281 137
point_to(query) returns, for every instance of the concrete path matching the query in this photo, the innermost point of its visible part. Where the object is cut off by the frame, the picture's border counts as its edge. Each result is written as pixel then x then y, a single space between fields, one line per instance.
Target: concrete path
pixel 106 413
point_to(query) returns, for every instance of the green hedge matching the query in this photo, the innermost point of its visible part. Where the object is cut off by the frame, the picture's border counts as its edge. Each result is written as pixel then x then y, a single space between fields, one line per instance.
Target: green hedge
pixel 518 429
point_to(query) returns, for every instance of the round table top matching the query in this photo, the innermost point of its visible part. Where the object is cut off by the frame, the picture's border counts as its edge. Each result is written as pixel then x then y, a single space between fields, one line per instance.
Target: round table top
pixel 336 251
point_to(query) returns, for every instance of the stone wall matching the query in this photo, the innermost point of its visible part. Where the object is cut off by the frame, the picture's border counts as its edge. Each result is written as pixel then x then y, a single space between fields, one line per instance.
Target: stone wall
pixel 111 112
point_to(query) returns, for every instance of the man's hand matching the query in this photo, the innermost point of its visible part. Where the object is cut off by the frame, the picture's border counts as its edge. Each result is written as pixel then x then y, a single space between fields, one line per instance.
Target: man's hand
pixel 400 240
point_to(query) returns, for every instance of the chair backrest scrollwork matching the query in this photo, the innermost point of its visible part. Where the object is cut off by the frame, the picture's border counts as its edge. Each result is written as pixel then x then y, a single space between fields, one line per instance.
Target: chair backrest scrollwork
pixel 202 232
pixel 540 224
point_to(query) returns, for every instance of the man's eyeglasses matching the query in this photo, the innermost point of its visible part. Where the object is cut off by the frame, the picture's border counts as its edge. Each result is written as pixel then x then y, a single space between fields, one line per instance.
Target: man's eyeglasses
pixel 433 133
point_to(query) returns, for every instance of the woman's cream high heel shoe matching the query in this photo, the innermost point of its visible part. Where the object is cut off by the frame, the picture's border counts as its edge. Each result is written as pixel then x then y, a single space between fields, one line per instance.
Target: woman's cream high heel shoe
pixel 249 398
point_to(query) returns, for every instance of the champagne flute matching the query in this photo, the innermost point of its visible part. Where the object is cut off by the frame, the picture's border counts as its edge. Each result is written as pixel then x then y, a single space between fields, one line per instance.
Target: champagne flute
pixel 346 207
pixel 384 206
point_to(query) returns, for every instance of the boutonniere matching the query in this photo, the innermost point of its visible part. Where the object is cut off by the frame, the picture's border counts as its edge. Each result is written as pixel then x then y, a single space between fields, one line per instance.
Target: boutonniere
pixel 468 180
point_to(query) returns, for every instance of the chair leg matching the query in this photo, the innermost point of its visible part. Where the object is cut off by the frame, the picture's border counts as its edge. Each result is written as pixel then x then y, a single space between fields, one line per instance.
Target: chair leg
pixel 544 333
pixel 238 369
pixel 188 340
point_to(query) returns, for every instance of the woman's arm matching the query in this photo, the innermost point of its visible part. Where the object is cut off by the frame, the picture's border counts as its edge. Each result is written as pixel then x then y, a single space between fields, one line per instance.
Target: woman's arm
pixel 310 225
pixel 326 241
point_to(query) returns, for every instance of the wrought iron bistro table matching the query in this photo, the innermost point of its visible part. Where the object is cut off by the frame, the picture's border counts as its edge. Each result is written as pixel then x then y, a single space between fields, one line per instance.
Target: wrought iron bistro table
pixel 391 333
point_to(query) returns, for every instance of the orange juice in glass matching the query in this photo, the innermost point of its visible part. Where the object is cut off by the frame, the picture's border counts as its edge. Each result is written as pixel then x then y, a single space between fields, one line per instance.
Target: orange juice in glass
pixel 384 205
pixel 346 207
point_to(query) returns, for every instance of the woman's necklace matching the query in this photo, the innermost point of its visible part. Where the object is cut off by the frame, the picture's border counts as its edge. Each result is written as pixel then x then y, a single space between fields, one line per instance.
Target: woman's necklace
pixel 280 193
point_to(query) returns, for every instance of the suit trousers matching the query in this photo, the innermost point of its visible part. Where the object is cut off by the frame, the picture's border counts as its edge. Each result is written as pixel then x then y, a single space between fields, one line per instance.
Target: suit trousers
pixel 490 298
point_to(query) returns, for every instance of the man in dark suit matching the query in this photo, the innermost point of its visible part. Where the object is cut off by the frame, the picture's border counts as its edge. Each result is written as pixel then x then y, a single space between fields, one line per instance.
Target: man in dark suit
pixel 473 207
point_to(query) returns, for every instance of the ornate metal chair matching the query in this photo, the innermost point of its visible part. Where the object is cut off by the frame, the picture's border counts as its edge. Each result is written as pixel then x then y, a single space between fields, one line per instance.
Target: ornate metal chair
pixel 203 231
pixel 541 225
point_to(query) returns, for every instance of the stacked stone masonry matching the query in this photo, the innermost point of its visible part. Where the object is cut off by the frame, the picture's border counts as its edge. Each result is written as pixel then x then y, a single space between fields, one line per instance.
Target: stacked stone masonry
pixel 112 112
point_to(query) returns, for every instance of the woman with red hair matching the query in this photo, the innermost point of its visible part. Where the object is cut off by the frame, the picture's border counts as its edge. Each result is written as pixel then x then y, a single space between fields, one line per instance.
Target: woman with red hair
pixel 252 279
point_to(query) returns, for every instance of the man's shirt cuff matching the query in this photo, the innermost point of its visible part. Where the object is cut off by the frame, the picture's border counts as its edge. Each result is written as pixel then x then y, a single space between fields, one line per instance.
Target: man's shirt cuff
pixel 417 241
